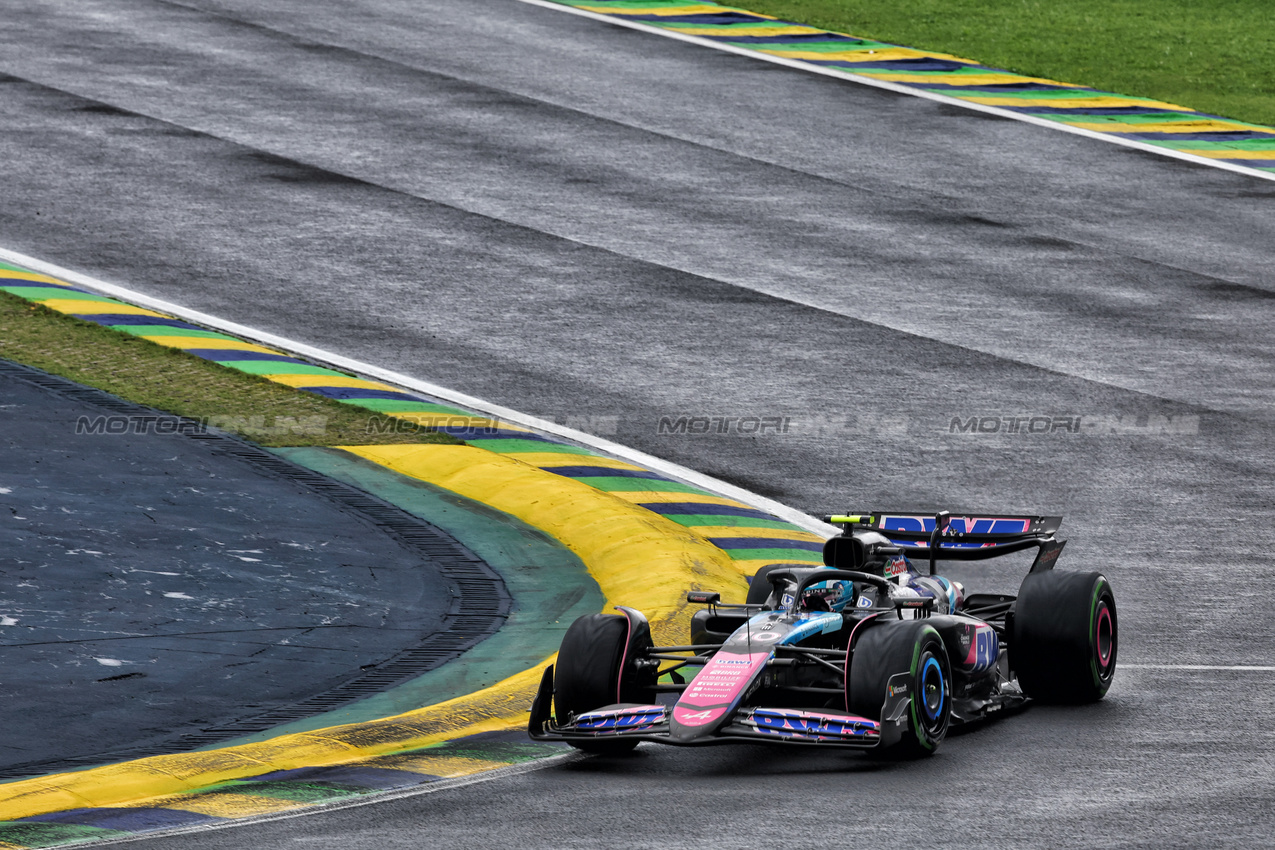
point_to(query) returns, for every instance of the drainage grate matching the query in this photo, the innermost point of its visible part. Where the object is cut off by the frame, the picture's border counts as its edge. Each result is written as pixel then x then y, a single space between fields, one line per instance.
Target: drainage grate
pixel 480 600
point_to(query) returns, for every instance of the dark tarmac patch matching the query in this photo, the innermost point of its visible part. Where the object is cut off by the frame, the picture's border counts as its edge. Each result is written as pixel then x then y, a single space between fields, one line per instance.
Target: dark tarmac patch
pixel 162 592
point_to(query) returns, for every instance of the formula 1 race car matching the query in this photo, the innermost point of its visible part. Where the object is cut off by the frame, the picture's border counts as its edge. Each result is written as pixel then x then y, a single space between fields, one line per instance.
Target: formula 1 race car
pixel 865 652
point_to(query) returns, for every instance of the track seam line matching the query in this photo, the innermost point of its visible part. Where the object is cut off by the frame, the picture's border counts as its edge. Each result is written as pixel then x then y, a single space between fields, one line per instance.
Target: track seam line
pixel 898 88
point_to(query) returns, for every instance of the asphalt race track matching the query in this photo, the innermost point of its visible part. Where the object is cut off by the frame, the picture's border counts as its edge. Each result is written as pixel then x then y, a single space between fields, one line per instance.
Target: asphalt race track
pixel 584 222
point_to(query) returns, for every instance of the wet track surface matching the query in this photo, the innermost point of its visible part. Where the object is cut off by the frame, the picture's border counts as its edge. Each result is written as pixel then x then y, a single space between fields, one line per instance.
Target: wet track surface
pixel 573 219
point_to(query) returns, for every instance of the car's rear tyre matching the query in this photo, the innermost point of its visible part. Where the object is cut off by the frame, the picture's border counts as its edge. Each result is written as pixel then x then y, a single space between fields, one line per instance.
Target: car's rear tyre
pixel 597 666
pixel 904 646
pixel 1064 637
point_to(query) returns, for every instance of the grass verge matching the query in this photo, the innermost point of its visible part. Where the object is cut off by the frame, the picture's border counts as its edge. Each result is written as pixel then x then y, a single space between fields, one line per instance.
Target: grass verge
pixel 1217 57
pixel 179 383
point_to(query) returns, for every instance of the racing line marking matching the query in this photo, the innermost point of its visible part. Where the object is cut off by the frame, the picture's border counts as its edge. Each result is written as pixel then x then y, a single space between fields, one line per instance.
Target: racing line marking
pixel 902 89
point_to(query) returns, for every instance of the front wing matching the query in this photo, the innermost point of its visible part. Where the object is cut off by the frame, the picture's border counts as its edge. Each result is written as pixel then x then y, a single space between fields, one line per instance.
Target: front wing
pixel 820 727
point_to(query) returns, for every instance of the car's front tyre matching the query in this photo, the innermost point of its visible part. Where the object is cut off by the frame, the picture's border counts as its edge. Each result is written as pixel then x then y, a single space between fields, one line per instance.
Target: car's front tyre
pixel 597 666
pixel 913 647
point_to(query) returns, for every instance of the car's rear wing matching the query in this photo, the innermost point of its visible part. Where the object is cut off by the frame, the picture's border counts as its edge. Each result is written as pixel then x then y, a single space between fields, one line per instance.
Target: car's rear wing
pixel 961 538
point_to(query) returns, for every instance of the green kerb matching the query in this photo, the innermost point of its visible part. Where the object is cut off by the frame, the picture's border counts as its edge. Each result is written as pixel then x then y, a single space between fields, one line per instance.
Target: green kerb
pixel 1142 118
pixel 165 330
pixel 620 484
pixel 43 293
pixel 693 520
pixel 778 555
pixel 818 46
pixel 740 28
pixel 393 405
pixel 1065 94
pixel 1239 146
pixel 279 367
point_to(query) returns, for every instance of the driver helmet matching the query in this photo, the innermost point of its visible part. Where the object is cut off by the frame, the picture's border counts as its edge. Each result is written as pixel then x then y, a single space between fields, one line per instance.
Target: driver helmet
pixel 828 595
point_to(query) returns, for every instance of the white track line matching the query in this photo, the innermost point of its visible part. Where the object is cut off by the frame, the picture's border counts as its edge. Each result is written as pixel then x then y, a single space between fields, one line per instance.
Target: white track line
pixel 902 89
pixel 1243 668
pixel 373 798
pixel 493 411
